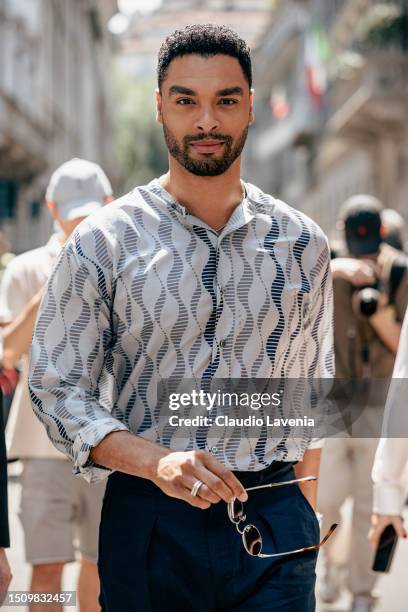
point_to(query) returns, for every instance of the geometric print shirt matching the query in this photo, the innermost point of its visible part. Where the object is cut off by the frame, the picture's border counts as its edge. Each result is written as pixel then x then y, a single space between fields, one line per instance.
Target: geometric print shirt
pixel 143 291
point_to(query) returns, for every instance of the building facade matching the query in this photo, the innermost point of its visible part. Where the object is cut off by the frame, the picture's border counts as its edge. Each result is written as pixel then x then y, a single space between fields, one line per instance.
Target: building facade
pixel 140 44
pixel 55 104
pixel 317 148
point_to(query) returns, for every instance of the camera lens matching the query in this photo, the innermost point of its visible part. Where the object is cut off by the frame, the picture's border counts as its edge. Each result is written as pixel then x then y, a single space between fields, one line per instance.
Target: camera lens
pixel 368 299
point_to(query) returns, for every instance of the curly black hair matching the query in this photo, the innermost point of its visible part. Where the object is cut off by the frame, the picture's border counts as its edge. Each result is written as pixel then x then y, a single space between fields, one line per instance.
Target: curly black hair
pixel 206 40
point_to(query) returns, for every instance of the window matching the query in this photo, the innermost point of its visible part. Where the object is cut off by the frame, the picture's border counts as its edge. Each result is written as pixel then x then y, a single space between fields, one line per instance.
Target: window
pixel 35 209
pixel 8 199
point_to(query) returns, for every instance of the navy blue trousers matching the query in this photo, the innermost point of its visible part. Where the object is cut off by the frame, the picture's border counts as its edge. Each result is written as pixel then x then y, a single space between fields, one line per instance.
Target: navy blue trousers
pixel 159 554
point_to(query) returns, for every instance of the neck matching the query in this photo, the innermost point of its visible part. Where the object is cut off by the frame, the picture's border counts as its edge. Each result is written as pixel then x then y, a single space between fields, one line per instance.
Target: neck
pixel 67 227
pixel 210 198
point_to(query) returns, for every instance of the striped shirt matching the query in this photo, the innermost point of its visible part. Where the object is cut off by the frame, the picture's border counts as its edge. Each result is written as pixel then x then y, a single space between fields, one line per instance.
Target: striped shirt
pixel 143 291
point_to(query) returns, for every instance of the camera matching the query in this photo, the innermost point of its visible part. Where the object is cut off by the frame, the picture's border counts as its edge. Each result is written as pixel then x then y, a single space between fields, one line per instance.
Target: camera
pixel 361 216
pixel 366 299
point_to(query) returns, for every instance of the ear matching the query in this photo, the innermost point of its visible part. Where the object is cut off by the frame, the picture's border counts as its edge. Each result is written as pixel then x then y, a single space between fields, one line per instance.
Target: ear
pixel 159 103
pixel 251 107
pixel 384 230
pixel 53 208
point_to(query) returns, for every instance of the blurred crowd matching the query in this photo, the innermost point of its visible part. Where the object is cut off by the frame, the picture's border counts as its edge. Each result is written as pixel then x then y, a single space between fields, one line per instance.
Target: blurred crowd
pixel 59 512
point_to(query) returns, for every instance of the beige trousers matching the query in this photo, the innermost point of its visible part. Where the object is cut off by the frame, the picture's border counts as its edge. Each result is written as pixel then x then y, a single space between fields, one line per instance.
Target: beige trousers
pixel 345 471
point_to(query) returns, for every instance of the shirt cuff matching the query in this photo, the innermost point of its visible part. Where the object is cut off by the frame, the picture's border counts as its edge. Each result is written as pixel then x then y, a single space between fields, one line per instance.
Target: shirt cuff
pixel 316 443
pixel 88 438
pixel 388 499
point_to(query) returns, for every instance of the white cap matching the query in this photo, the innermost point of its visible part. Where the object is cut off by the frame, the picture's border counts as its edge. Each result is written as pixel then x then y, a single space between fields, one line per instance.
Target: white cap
pixel 78 187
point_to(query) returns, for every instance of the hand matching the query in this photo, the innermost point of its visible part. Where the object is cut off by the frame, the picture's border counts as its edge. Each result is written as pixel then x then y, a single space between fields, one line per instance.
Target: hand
pixel 309 466
pixel 5 575
pixel 379 522
pixel 309 490
pixel 357 271
pixel 177 472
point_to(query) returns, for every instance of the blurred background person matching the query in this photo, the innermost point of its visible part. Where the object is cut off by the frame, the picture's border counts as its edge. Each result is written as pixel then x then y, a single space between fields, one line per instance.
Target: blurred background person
pixel 370 296
pixel 391 458
pixel 394 229
pixel 56 507
pixel 5 572
pixel 5 255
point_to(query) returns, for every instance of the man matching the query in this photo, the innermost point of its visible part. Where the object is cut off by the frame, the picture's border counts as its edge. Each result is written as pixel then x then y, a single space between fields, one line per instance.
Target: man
pixel 5 573
pixel 56 507
pixel 391 458
pixel 394 229
pixel 201 276
pixel 370 296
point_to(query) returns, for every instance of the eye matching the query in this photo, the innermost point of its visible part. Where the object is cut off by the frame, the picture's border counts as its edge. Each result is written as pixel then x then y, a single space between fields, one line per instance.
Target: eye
pixel 184 101
pixel 228 102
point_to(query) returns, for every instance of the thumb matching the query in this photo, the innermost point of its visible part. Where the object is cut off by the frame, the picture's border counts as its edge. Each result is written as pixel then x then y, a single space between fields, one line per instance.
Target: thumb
pixel 374 537
pixel 399 527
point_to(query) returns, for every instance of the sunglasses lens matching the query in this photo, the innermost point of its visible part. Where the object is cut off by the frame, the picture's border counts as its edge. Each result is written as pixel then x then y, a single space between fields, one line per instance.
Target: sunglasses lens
pixel 236 511
pixel 252 540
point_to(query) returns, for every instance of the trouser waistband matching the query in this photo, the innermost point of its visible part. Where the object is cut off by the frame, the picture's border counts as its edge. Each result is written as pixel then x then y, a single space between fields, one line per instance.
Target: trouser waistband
pixel 277 471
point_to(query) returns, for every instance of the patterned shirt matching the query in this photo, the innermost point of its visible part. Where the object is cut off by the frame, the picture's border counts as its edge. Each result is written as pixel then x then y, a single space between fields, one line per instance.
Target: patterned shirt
pixel 144 291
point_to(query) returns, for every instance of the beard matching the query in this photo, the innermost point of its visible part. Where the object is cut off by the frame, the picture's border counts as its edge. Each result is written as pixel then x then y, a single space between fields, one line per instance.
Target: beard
pixel 205 167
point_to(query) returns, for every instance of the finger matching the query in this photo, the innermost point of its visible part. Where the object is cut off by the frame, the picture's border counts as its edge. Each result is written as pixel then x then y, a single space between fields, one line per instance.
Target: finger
pixel 178 489
pixel 399 528
pixel 376 268
pixel 368 270
pixel 226 476
pixel 205 491
pixel 195 501
pixel 374 537
pixel 365 278
pixel 215 485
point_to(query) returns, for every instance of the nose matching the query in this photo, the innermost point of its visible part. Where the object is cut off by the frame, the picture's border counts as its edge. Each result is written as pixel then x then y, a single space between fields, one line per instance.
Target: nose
pixel 207 122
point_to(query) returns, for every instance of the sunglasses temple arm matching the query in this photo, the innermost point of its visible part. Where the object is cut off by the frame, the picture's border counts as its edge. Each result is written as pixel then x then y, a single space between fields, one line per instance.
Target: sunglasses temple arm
pixel 300 550
pixel 281 484
pixel 329 533
pixel 324 540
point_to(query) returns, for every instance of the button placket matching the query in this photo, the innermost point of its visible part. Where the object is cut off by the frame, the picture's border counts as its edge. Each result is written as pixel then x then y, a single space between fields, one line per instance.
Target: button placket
pixel 221 285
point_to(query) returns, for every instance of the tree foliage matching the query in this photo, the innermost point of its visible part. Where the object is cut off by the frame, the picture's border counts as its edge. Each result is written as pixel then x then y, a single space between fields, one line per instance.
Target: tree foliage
pixel 141 152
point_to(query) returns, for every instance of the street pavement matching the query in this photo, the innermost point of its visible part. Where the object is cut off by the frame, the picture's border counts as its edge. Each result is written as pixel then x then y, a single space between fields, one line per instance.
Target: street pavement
pixel 392 587
pixel 20 569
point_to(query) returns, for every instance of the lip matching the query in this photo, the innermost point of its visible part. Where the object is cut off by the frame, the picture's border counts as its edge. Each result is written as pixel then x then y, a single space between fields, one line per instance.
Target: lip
pixel 207 146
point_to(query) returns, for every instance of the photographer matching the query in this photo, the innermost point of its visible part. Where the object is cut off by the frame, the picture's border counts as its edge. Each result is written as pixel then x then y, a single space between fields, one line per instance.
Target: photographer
pixel 370 296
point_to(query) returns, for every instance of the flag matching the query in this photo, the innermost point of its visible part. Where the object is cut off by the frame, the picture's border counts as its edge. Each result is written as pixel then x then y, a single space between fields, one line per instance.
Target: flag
pixel 279 102
pixel 316 55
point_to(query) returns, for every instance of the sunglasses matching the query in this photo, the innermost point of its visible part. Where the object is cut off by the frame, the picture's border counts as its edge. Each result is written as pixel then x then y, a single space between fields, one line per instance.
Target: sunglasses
pixel 251 537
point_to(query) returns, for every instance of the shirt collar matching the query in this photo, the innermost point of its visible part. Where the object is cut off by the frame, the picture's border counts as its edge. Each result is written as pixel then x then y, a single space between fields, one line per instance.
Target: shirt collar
pixel 54 245
pixel 241 215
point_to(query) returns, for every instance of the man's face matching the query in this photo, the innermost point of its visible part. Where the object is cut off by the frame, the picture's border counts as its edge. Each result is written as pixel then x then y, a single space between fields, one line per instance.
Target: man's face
pixel 205 107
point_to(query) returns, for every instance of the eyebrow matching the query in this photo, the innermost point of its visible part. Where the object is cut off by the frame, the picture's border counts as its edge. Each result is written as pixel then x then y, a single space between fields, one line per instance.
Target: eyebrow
pixel 179 89
pixel 229 91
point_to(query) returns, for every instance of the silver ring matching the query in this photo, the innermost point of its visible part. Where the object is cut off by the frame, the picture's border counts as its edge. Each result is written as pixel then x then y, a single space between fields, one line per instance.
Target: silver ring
pixel 195 488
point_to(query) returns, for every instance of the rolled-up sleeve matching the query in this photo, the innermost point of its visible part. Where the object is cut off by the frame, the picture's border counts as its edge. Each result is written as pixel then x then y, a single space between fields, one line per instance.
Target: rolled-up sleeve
pixel 72 339
pixel 321 361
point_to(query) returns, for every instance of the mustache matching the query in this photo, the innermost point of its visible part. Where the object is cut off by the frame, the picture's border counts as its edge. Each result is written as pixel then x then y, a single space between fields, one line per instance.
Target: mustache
pixel 211 136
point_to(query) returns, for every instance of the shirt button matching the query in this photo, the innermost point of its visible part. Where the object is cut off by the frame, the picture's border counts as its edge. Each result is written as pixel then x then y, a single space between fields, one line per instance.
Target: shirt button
pixel 223 343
